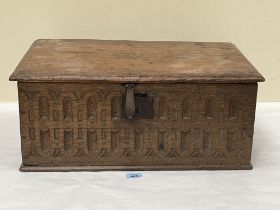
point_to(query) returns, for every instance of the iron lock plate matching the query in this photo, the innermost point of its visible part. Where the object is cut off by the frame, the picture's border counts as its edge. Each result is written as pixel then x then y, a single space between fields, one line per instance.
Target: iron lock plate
pixel 144 106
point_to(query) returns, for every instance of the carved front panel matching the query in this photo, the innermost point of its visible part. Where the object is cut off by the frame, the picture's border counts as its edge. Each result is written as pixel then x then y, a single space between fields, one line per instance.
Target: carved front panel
pixel 66 124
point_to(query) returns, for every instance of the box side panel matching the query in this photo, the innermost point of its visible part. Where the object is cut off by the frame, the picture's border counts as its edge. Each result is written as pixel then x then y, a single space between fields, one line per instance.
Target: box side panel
pixel 23 124
pixel 248 130
pixel 193 125
pixel 26 116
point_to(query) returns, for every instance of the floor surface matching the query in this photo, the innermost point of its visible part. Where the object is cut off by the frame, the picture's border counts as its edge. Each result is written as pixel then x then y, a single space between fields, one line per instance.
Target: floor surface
pixel 257 189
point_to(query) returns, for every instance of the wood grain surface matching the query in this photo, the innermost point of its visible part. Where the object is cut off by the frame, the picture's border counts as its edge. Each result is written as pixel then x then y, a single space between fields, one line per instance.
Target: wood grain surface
pixel 134 62
pixel 194 126
pixel 133 105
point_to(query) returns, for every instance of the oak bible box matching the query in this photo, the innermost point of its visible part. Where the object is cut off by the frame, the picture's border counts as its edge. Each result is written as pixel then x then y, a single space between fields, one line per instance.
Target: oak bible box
pixel 132 105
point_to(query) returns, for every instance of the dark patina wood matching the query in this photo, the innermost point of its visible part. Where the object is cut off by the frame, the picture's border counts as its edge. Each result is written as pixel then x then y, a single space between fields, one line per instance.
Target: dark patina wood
pixel 127 105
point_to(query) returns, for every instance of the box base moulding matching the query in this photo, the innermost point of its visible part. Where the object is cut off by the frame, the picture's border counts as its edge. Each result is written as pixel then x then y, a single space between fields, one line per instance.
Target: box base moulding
pixel 25 168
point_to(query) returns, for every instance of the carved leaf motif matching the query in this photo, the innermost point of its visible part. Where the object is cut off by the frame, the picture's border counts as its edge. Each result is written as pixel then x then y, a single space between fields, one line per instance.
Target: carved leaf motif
pixel 196 153
pixel 33 153
pixel 80 153
pixel 103 153
pixel 125 153
pixel 56 152
pixel 150 153
pixel 173 153
pixel 219 154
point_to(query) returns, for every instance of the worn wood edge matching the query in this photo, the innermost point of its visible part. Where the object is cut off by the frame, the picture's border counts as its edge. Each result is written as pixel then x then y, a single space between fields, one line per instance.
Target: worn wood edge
pixel 13 76
pixel 24 168
pixel 134 40
pixel 143 79
pixel 260 76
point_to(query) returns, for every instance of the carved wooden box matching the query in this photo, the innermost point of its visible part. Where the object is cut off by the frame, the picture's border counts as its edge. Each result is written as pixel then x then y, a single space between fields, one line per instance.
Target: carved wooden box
pixel 128 105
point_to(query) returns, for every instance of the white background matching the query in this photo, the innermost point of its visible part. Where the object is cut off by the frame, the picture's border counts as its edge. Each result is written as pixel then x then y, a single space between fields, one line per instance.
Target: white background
pixel 252 25
pixel 257 189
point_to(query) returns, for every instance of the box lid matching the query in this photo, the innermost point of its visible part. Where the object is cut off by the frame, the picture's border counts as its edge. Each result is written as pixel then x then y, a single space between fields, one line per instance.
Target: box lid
pixel 134 62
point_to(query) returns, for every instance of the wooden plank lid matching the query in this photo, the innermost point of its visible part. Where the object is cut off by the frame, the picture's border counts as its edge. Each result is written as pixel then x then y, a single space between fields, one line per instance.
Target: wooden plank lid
pixel 134 62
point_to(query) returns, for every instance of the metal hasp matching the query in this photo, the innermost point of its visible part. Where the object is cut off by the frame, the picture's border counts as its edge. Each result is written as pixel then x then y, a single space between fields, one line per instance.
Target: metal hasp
pixel 129 101
pixel 137 105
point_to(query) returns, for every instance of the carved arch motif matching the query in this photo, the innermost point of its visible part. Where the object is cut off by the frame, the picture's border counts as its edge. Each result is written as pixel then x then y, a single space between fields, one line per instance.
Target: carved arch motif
pixel 186 108
pixel 209 108
pixel 91 108
pixel 43 107
pixel 233 108
pixel 67 107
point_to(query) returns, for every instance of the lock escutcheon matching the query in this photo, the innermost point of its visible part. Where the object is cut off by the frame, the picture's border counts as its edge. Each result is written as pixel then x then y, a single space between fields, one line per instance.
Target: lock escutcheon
pixel 137 105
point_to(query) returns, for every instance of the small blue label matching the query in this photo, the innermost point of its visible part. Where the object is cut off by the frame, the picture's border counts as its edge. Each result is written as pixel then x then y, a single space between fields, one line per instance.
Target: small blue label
pixel 133 175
